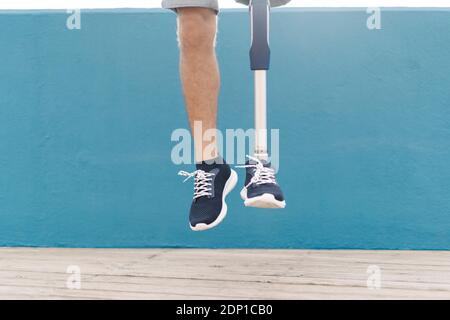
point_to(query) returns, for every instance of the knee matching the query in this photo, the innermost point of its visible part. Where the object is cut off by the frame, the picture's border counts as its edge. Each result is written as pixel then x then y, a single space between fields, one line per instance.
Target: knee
pixel 196 28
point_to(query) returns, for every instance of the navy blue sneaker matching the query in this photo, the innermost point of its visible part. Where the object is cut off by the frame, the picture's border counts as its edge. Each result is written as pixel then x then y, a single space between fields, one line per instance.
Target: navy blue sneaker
pixel 261 189
pixel 212 183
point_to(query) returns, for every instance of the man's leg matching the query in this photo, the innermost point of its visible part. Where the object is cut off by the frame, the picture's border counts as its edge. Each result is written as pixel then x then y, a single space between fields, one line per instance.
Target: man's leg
pixel 200 78
pixel 199 75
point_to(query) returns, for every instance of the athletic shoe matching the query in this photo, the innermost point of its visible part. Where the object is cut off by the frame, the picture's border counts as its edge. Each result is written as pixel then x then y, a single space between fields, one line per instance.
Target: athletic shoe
pixel 261 189
pixel 212 183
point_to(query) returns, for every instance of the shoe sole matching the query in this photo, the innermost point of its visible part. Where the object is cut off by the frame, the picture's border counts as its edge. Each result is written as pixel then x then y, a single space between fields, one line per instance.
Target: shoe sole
pixel 229 185
pixel 266 200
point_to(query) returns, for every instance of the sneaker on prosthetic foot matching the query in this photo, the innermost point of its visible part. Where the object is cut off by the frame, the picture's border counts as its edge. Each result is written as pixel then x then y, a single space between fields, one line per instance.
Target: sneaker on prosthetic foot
pixel 261 189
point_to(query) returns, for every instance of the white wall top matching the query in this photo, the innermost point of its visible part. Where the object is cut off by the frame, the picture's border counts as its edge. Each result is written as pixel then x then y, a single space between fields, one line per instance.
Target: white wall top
pixel 106 4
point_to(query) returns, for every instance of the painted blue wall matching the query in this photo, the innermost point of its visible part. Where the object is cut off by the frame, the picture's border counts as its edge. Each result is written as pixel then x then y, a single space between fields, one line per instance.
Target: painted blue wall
pixel 86 118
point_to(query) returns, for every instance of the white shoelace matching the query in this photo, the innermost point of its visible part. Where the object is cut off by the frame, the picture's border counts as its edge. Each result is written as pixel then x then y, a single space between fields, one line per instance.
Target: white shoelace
pixel 262 174
pixel 202 183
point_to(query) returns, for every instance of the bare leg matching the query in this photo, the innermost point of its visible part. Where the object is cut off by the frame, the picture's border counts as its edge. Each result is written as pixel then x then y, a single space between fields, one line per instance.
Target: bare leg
pixel 199 75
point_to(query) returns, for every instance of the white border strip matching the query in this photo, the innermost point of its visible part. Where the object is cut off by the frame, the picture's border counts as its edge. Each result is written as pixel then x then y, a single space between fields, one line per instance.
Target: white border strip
pixel 109 4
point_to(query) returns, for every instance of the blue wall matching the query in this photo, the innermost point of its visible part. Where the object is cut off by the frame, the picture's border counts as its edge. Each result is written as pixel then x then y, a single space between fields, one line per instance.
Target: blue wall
pixel 86 118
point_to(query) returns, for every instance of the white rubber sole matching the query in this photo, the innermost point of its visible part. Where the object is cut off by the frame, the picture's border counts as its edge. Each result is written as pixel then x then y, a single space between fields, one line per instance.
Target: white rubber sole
pixel 266 200
pixel 229 185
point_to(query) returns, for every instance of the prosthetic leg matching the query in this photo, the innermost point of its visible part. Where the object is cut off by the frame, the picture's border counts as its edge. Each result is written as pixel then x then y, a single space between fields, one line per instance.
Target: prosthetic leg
pixel 259 63
pixel 261 189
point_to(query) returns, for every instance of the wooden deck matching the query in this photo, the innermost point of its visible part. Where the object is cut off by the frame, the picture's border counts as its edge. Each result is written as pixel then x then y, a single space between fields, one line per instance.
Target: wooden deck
pixel 223 274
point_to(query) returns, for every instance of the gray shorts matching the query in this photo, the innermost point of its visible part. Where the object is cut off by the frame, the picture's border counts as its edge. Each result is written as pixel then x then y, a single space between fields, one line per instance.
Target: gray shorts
pixel 211 4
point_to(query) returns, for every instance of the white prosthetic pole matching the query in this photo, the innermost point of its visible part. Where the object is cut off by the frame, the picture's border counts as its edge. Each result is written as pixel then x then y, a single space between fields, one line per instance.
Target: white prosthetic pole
pixel 260 61
pixel 261 115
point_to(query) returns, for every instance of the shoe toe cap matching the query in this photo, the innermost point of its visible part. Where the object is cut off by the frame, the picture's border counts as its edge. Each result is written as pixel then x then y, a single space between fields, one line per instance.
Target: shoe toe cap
pixel 205 213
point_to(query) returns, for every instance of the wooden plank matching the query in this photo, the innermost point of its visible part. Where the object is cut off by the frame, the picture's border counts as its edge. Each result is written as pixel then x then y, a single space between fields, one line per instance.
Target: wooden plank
pixel 230 274
pixel 206 286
